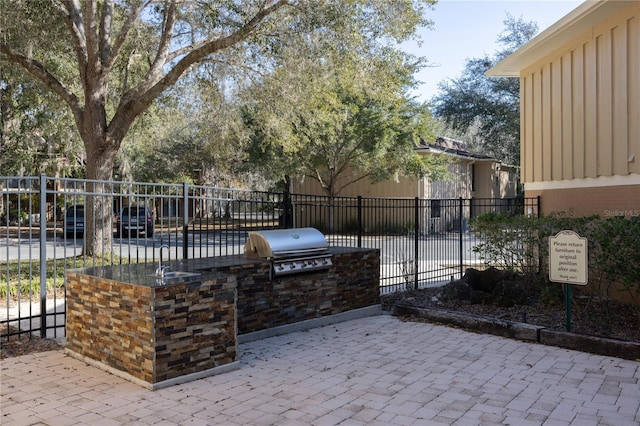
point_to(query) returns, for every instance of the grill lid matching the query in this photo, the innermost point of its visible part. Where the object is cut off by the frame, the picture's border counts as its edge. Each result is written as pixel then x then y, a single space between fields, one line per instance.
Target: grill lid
pixel 285 243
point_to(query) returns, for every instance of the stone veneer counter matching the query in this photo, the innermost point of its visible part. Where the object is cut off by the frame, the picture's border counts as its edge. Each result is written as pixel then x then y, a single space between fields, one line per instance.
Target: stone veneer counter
pixel 153 335
pixel 119 317
pixel 265 303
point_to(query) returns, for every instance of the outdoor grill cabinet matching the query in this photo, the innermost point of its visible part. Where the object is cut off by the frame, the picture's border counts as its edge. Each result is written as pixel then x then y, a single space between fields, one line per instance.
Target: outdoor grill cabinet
pixel 290 251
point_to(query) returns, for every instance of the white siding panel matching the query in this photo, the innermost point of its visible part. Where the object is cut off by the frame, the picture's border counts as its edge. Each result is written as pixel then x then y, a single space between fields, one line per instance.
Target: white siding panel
pixel 590 110
pixel 619 111
pixel 556 119
pixel 567 140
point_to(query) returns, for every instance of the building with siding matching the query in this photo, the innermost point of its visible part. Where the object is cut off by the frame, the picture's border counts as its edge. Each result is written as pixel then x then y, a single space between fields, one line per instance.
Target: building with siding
pixel 476 177
pixel 580 110
pixel 470 176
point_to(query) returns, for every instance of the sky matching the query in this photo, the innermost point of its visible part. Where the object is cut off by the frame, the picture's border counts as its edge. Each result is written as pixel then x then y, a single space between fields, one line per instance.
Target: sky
pixel 469 29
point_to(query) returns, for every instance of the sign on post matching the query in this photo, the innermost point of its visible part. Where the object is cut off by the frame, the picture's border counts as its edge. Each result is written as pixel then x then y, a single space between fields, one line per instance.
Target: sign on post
pixel 568 258
pixel 568 263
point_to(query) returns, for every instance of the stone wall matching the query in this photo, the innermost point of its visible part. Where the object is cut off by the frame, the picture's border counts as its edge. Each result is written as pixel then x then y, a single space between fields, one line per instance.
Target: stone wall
pixel 111 323
pixel 195 327
pixel 352 282
pixel 152 333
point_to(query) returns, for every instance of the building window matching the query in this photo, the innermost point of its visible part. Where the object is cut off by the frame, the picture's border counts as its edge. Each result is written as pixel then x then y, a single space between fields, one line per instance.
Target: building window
pixel 435 208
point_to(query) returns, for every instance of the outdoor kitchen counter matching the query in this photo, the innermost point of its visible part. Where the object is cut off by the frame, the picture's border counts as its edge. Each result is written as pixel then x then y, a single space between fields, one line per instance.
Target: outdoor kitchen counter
pixel 144 273
pixel 266 301
pixel 123 319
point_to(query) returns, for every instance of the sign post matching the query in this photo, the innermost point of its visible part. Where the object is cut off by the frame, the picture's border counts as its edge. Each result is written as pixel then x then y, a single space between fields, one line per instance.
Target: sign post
pixel 568 263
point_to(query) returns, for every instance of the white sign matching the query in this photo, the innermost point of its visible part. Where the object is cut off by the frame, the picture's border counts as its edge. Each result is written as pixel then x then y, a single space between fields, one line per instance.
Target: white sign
pixel 568 258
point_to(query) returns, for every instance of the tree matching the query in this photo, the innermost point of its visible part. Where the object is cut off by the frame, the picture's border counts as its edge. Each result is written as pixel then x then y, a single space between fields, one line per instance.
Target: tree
pixel 108 61
pixel 343 136
pixel 343 132
pixel 488 107
pixel 187 141
pixel 36 132
pixel 345 117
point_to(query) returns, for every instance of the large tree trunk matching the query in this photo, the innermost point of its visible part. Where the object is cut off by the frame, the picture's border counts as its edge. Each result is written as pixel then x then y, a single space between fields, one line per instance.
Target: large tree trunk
pixel 99 205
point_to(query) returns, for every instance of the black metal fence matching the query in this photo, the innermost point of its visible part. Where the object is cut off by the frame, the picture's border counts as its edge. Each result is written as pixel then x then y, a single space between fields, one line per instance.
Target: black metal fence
pixel 423 242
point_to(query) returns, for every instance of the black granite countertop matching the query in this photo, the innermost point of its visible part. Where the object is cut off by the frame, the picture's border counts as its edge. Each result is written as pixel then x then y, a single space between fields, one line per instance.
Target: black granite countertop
pixel 144 273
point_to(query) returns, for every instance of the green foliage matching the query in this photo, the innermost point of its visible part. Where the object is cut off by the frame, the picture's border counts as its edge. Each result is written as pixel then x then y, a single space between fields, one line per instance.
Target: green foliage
pixel 617 243
pixel 338 126
pixel 490 107
pixel 522 244
pixel 18 275
pixel 507 242
pixel 109 62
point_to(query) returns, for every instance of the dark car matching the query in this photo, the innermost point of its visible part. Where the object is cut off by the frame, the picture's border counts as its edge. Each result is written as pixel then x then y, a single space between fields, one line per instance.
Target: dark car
pixel 134 220
pixel 74 220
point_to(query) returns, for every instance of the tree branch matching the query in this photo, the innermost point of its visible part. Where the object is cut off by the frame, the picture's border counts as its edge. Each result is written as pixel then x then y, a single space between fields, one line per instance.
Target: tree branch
pixel 91 35
pixel 106 21
pixel 351 182
pixel 70 13
pixel 136 100
pixel 165 42
pixel 124 32
pixel 38 70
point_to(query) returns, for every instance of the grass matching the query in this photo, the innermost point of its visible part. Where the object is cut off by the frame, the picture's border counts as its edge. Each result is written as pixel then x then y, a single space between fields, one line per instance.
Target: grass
pixel 23 277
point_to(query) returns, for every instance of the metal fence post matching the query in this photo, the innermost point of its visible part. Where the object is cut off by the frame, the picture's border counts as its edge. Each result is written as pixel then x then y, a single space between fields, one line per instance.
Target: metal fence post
pixel 359 221
pixel 287 209
pixel 43 256
pixel 538 206
pixel 461 242
pixel 416 242
pixel 185 220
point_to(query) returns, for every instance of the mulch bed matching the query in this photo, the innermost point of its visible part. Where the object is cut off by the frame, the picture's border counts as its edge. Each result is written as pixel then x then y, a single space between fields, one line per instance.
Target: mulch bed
pixel 17 345
pixel 589 316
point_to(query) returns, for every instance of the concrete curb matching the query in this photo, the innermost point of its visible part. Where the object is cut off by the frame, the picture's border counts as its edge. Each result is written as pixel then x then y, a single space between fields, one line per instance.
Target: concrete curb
pixel 624 349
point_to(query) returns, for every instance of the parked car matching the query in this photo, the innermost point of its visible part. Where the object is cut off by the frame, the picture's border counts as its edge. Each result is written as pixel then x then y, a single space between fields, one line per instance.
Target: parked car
pixel 134 220
pixel 74 220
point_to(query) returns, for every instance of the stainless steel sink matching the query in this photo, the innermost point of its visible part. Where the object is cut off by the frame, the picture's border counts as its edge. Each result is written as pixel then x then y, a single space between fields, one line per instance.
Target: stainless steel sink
pixel 180 274
pixel 175 275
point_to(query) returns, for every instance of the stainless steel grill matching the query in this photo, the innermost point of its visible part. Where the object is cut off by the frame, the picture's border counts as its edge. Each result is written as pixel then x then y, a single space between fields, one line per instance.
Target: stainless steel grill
pixel 290 250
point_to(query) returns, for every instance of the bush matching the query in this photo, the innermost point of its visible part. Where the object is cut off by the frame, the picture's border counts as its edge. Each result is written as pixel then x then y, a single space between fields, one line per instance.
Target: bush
pixel 521 244
pixel 15 217
pixel 507 242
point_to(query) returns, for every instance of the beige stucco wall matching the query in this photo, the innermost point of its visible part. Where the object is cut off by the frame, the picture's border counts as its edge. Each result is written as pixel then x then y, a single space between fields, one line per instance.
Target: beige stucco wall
pixel 580 109
pixel 490 181
pixel 403 187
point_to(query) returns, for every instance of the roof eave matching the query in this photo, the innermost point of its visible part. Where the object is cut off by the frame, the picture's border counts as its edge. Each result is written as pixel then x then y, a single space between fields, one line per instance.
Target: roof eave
pixel 576 22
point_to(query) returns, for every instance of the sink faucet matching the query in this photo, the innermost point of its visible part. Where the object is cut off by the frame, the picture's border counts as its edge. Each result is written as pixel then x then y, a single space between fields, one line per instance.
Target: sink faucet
pixel 161 270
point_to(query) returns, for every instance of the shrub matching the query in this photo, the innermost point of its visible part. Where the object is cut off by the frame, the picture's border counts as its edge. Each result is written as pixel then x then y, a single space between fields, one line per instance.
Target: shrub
pixel 521 244
pixel 507 242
